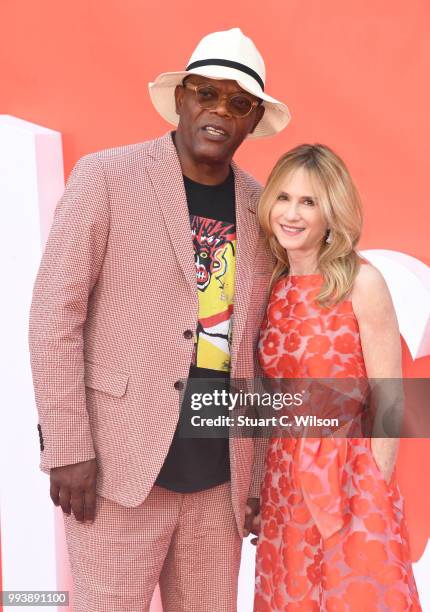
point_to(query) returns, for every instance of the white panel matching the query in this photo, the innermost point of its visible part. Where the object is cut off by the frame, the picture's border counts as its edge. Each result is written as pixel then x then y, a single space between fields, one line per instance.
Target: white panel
pixel 31 177
pixel 245 600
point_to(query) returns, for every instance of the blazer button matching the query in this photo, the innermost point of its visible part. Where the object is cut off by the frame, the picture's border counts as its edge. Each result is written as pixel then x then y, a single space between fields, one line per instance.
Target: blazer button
pixel 188 334
pixel 179 385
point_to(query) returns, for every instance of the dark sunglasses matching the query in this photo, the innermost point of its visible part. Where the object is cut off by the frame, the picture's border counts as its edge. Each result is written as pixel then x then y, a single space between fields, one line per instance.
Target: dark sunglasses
pixel 237 104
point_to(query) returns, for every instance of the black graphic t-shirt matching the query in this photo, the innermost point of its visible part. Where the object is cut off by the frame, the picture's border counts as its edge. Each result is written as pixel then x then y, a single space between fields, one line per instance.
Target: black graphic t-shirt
pixel 195 464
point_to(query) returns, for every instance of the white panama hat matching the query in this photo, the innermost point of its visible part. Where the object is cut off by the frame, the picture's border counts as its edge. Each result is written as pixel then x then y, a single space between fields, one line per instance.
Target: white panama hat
pixel 224 55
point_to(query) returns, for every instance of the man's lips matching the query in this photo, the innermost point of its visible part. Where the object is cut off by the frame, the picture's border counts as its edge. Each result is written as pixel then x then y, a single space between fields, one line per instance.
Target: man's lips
pixel 215 132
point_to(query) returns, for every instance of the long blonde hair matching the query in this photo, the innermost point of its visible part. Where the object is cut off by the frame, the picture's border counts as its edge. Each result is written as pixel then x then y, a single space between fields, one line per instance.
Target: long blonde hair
pixel 340 205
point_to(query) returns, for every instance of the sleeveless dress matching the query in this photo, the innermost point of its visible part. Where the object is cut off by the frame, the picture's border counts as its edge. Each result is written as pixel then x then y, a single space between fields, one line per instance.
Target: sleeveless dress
pixel 333 534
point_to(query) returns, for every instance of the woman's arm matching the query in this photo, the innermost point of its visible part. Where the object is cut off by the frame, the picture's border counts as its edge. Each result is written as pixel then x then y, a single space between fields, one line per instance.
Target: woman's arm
pixel 380 341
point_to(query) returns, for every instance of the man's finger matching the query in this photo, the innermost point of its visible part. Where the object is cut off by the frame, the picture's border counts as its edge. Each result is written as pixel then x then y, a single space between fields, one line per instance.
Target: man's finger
pixel 65 500
pixel 90 505
pixel 77 502
pixel 54 492
pixel 248 523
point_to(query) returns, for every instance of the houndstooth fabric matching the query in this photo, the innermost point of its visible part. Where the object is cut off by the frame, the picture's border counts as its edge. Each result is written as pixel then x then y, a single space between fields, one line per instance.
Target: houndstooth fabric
pixel 115 291
pixel 187 542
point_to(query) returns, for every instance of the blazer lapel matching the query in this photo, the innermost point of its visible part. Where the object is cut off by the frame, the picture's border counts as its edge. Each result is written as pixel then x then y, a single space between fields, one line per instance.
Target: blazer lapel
pixel 247 237
pixel 166 176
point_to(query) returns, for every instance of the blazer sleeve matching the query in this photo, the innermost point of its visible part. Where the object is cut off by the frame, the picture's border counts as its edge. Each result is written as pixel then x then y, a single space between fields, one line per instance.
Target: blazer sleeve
pixel 264 260
pixel 261 445
pixel 69 269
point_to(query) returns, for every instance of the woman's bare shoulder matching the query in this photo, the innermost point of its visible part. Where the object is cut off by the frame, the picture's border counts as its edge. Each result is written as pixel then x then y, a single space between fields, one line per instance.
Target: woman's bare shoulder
pixel 370 291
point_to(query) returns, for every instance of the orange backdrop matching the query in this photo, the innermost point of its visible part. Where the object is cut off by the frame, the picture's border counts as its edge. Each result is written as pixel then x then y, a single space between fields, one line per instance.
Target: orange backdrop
pixel 354 74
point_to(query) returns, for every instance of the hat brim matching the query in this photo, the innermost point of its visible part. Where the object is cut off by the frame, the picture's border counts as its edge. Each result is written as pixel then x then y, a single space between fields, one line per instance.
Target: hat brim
pixel 276 115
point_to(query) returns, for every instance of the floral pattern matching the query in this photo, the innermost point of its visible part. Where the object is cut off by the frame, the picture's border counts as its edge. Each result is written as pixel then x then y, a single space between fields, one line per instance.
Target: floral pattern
pixel 333 533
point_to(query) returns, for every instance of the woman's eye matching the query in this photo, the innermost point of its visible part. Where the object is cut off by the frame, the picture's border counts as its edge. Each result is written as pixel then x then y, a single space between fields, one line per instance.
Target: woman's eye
pixel 309 202
pixel 282 196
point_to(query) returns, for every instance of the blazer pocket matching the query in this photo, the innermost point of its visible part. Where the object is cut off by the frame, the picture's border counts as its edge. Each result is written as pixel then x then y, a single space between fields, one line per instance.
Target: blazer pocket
pixel 104 379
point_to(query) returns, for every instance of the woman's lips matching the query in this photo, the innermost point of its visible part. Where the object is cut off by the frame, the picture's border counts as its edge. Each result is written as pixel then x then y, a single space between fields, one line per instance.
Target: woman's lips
pixel 291 230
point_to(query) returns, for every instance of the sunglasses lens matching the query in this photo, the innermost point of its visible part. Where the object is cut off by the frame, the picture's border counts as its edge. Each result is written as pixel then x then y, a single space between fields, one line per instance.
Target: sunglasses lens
pixel 238 105
pixel 207 96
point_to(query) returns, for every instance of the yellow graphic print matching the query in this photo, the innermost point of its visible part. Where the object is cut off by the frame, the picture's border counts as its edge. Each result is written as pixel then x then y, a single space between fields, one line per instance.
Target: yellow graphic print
pixel 214 257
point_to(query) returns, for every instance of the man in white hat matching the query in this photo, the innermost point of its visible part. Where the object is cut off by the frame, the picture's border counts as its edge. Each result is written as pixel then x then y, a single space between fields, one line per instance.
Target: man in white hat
pixel 153 249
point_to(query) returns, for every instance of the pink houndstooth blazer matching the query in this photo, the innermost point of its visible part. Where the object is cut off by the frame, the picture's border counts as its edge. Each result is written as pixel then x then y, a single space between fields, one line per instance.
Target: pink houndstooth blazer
pixel 115 292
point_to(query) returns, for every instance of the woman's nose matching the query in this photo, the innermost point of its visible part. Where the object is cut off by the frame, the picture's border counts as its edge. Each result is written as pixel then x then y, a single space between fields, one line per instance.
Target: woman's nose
pixel 291 212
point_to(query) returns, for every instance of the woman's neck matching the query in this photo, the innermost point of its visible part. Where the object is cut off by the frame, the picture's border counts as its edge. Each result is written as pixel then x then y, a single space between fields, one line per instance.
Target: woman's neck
pixel 302 263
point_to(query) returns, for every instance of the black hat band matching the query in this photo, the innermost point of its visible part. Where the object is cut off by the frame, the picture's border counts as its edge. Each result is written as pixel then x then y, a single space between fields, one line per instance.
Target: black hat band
pixel 228 64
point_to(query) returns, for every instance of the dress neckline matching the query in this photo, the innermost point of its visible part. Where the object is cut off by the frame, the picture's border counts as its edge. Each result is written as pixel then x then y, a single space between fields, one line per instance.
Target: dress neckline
pixel 315 275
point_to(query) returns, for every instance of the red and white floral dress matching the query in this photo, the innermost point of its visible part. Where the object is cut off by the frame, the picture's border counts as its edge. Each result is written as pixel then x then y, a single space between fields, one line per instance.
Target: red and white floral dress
pixel 333 534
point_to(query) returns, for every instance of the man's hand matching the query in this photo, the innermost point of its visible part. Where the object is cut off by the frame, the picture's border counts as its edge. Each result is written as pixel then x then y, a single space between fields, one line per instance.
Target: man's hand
pixel 73 487
pixel 252 518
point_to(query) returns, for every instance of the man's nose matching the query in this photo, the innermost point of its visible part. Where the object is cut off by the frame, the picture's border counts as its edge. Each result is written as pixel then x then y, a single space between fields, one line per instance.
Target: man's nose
pixel 221 107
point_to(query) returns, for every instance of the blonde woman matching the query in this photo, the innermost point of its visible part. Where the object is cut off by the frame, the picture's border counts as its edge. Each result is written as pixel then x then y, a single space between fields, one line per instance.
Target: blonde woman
pixel 332 533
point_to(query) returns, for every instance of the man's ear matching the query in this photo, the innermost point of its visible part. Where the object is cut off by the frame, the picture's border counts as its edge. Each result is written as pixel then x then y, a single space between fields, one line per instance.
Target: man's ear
pixel 179 95
pixel 259 112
